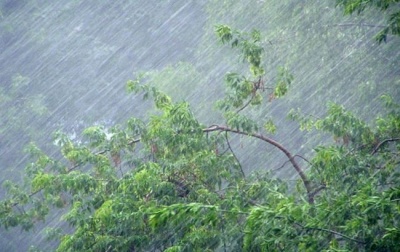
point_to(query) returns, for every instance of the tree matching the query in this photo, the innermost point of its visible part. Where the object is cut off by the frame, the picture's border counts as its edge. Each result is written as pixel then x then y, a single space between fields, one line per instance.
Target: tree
pixel 390 10
pixel 171 183
pixel 19 111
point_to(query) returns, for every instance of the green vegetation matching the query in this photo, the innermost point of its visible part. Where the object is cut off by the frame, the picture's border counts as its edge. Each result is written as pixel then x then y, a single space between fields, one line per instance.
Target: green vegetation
pixel 389 8
pixel 267 167
pixel 172 183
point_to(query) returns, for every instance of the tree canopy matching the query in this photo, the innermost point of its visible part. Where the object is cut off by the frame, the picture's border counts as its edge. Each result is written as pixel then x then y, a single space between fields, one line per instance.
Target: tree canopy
pixel 172 183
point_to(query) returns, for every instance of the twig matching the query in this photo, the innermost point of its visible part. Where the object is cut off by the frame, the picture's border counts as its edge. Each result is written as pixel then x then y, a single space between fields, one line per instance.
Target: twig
pixel 297 155
pixel 280 167
pixel 230 148
pixel 322 187
pixel 247 103
pixel 283 165
pixel 332 232
pixel 257 86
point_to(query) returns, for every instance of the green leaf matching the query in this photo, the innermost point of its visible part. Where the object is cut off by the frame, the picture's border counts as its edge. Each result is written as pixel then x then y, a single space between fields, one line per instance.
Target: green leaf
pixel 270 127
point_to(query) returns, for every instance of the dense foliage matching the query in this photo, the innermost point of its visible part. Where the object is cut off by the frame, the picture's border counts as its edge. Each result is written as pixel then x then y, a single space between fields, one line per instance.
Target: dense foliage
pixel 171 183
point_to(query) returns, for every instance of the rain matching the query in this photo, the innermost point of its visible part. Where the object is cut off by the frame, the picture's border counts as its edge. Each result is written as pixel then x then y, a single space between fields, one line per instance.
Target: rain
pixel 64 66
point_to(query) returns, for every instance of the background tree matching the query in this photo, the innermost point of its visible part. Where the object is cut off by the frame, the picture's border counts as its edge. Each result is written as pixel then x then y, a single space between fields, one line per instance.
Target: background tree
pixel 20 115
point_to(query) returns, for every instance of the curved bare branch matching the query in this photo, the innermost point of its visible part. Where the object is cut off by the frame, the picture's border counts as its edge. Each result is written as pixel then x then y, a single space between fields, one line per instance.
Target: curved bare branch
pixel 295 165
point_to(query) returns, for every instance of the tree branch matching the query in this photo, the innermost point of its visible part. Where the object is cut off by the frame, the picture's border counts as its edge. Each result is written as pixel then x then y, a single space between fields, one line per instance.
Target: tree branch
pixel 360 24
pixel 257 85
pixel 295 165
pixel 382 143
pixel 247 103
pixel 332 232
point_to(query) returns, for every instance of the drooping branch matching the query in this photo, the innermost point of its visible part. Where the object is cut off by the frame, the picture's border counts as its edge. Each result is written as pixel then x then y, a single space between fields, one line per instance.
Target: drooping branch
pixel 295 165
pixel 233 153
